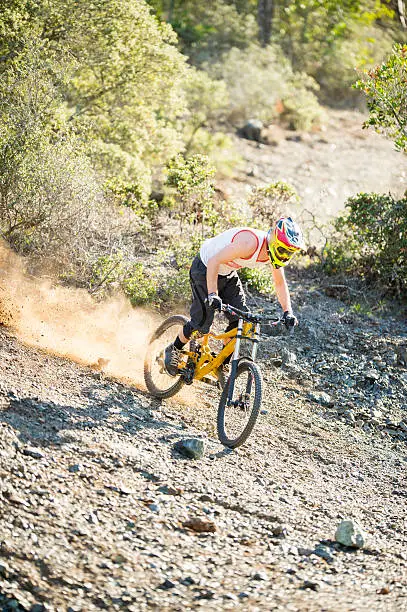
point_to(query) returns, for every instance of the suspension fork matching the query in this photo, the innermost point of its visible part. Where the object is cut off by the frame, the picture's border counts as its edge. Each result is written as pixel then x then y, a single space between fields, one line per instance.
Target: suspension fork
pixel 254 354
pixel 235 360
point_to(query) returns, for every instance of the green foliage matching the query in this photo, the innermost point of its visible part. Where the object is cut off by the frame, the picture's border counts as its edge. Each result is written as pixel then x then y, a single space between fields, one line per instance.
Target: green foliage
pixel 309 29
pixel 125 91
pixel 206 99
pixel 386 91
pixel 139 287
pixel 371 241
pixel 105 272
pixel 271 202
pixel 301 107
pixel 364 46
pixel 115 271
pixel 192 180
pixel 208 29
pixel 259 79
pixel 258 280
pixel 132 195
pixel 49 193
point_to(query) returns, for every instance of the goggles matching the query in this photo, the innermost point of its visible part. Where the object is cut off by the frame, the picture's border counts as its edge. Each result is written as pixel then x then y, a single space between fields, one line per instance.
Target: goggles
pixel 279 253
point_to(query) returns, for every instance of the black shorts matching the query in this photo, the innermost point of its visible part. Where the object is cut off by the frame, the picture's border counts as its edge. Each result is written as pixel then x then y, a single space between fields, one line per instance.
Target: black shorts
pixel 230 290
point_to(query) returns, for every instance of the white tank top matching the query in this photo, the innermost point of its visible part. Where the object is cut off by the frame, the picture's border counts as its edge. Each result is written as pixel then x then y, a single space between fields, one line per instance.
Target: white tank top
pixel 212 246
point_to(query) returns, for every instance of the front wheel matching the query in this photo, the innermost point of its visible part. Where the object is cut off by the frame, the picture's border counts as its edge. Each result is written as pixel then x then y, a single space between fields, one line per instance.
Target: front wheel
pixel 237 417
pixel 158 382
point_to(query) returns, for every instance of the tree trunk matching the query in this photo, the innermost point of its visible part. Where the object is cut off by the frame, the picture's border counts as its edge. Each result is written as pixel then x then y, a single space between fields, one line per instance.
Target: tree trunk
pixel 401 9
pixel 265 9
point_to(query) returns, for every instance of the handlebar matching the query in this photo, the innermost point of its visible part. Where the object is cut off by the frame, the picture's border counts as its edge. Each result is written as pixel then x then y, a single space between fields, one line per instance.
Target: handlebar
pixel 251 317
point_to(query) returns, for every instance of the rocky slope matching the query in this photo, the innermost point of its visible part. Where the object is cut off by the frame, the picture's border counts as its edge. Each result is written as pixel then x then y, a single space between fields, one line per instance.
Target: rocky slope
pixel 100 511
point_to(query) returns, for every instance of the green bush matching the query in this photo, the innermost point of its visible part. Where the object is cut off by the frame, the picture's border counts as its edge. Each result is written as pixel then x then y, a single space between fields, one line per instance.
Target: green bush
pixel 386 92
pixel 269 203
pixel 50 195
pixel 207 29
pixel 258 280
pixel 362 48
pixel 115 271
pixel 140 288
pixel 371 241
pixel 192 181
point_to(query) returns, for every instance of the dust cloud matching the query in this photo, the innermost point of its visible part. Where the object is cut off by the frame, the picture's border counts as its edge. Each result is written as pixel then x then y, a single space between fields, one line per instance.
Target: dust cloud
pixel 67 322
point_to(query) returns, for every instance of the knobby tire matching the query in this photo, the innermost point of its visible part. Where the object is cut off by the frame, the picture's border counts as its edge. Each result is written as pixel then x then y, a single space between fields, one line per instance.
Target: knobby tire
pixel 176 321
pixel 245 367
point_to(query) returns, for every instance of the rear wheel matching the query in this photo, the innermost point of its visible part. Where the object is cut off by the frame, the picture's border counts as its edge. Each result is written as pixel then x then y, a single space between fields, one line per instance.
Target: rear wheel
pixel 237 418
pixel 158 381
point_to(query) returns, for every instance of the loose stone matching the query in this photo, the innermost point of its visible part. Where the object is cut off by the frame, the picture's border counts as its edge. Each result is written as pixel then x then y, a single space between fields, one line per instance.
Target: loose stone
pixel 349 533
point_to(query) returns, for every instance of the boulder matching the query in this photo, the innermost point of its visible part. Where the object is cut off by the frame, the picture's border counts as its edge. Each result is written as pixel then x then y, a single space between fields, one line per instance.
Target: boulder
pixel 252 130
pixel 349 533
pixel 193 448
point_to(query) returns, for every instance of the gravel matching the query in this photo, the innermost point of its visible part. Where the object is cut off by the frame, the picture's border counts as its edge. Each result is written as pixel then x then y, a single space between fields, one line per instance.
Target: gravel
pixel 100 511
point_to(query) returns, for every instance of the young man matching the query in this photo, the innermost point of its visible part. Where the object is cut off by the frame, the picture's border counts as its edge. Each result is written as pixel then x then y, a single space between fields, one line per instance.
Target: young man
pixel 214 278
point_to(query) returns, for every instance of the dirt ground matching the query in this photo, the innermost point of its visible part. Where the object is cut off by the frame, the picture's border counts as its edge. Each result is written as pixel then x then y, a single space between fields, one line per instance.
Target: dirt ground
pixel 99 511
pixel 325 167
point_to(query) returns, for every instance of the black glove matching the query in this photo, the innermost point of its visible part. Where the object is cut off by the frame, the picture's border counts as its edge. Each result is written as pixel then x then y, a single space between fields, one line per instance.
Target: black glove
pixel 214 301
pixel 289 319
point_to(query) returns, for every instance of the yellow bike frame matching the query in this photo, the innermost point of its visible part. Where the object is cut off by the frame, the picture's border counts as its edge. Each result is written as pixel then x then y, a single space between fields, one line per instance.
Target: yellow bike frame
pixel 207 363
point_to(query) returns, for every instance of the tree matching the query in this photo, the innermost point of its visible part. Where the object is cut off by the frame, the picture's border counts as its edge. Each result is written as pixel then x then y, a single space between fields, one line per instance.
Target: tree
pixel 125 93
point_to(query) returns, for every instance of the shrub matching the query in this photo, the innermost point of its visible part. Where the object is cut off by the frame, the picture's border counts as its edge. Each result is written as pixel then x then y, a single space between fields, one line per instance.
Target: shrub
pixel 192 181
pixel 207 99
pixel 371 241
pixel 115 271
pixel 259 79
pixel 386 92
pixel 258 280
pixel 207 29
pixel 140 288
pixel 271 202
pixel 50 196
pixel 336 73
pixel 132 195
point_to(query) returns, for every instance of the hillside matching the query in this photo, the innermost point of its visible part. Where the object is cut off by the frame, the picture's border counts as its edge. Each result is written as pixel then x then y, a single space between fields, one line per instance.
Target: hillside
pixel 100 512
pixel 326 166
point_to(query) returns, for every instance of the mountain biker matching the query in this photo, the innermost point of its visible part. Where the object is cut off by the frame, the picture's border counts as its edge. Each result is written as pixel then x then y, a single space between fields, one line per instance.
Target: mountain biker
pixel 214 279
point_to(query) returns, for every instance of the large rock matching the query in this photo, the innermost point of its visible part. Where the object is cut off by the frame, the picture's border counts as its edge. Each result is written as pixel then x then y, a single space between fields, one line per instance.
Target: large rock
pixel 193 448
pixel 349 533
pixel 252 130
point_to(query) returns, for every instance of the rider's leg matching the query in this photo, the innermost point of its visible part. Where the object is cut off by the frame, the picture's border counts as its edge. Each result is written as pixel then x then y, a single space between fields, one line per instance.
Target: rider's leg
pixel 232 293
pixel 201 316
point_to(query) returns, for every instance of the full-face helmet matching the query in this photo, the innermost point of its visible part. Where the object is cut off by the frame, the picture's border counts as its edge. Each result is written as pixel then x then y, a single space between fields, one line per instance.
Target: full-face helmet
pixel 283 241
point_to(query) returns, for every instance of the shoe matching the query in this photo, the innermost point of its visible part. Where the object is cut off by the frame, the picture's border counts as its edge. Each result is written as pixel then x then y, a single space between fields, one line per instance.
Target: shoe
pixel 172 357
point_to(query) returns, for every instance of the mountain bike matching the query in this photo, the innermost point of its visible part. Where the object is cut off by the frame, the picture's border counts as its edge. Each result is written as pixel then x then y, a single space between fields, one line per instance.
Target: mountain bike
pixel 241 396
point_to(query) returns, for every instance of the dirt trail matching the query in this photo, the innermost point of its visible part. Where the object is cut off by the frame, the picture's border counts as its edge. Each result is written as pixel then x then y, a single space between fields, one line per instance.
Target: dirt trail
pixel 95 498
pixel 325 167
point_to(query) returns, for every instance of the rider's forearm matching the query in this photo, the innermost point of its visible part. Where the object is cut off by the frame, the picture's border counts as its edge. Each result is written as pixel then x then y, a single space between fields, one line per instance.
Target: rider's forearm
pixel 283 294
pixel 212 271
